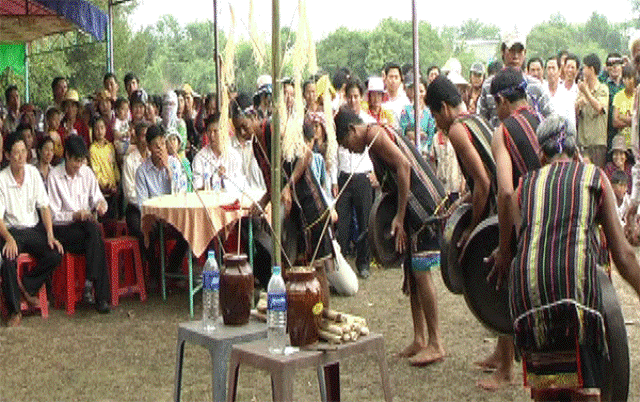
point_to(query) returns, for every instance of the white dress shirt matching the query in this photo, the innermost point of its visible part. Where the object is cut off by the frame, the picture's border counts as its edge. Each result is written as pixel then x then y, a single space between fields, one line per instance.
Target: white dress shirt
pixel 206 163
pixel 19 203
pixel 351 162
pixel 70 194
pixel 250 168
pixel 132 160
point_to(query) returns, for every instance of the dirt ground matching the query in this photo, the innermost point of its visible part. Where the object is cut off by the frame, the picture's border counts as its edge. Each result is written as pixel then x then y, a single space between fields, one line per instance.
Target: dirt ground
pixel 129 355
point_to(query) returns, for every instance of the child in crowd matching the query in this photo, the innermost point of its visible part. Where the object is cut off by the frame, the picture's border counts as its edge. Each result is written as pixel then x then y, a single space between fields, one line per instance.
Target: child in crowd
pixel 53 118
pixel 45 156
pixel 318 166
pixel 619 180
pixel 173 146
pixel 620 159
pixel 103 105
pixel 102 158
pixel 121 129
pixel 623 104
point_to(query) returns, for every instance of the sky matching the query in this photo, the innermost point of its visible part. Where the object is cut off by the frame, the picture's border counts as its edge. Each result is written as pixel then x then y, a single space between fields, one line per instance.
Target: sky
pixel 327 15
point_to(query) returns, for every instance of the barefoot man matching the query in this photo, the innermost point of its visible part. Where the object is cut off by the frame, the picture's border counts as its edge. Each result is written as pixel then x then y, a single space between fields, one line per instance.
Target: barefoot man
pixel 400 169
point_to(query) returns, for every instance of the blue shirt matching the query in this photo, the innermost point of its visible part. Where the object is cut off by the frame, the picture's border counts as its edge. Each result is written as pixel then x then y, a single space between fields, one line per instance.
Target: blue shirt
pixel 152 182
pixel 427 126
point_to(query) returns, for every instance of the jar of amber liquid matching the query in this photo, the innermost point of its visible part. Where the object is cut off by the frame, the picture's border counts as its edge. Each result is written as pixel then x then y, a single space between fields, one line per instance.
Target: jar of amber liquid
pixel 304 306
pixel 236 289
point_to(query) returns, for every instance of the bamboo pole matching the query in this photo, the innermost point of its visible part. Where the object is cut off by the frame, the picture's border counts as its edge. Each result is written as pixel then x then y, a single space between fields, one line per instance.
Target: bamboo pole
pixel 275 133
pixel 416 75
pixel 216 57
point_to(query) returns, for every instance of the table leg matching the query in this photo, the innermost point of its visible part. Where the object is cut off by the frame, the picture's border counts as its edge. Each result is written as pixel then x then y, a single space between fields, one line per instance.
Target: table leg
pixel 282 385
pixel 321 383
pixel 250 245
pixel 178 377
pixel 163 280
pixel 219 372
pixel 384 372
pixel 191 292
pixel 232 381
pixel 332 380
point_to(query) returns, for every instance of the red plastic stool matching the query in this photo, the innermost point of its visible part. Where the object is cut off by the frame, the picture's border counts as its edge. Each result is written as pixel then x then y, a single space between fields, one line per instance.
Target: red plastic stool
pixel 68 281
pixel 114 249
pixel 25 263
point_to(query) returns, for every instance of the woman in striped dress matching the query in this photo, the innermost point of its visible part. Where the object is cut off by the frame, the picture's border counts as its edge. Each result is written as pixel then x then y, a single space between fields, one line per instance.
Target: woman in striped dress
pixel 554 294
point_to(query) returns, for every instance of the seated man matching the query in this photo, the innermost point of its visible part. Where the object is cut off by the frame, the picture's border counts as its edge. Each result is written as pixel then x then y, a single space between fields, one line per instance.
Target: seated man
pixel 75 195
pixel 22 193
pixel 218 164
pixel 132 161
pixel 153 178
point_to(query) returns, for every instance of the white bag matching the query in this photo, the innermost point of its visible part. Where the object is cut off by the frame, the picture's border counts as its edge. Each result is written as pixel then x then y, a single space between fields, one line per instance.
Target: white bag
pixel 343 279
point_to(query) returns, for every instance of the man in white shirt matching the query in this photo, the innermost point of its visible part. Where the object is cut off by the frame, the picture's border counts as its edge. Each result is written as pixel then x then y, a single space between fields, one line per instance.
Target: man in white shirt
pixel 397 97
pixel 132 161
pixel 562 101
pixel 242 143
pixel 22 194
pixel 218 165
pixel 358 195
pixel 75 195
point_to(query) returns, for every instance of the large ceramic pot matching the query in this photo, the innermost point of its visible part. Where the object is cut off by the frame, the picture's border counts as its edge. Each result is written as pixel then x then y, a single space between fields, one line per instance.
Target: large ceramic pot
pixel 236 289
pixel 304 306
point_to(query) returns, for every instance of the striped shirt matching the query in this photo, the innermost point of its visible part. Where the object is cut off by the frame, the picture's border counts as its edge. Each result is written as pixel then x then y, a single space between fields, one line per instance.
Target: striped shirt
pixel 552 281
pixel 519 131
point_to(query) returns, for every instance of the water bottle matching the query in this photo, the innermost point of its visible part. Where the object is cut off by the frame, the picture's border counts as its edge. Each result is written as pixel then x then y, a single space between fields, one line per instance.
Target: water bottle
pixel 210 292
pixel 276 312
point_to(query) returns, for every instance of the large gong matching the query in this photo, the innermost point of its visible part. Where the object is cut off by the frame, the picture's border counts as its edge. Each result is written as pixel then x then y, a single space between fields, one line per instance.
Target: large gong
pixel 616 370
pixel 459 220
pixel 491 307
pixel 381 242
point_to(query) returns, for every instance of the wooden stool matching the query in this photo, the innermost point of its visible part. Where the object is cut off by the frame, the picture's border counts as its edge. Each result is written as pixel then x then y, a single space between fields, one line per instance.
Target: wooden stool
pixel 24 263
pixel 283 367
pixel 113 248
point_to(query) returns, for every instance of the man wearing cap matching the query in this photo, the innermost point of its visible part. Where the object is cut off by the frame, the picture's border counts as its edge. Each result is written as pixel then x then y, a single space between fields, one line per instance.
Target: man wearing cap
pixel 375 96
pixel 513 54
pixel 72 124
pixel 612 76
pixel 476 78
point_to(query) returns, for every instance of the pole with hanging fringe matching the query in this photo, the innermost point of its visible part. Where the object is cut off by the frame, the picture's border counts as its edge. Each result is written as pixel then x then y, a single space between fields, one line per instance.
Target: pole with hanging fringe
pixel 275 133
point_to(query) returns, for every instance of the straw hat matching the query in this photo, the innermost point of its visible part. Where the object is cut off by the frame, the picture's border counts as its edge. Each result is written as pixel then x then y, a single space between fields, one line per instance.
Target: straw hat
pixel 71 95
pixel 457 78
pixel 618 143
pixel 376 85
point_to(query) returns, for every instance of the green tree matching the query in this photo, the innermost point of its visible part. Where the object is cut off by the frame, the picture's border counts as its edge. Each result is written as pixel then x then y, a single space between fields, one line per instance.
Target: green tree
pixel 475 29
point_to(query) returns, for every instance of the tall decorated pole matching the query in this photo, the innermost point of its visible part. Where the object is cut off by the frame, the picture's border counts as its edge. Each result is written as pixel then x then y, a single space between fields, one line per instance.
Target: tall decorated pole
pixel 275 133
pixel 416 75
pixel 216 55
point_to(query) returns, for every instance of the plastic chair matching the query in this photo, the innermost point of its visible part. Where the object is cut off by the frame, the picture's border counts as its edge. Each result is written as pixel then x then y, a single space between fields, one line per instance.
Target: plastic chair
pixel 24 263
pixel 128 248
pixel 68 281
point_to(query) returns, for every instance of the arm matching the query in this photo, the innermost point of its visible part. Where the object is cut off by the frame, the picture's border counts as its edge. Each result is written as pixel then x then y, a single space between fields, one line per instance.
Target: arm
pixel 472 164
pixel 507 204
pixel 128 178
pixel 301 165
pixel 618 121
pixel 391 155
pixel 622 253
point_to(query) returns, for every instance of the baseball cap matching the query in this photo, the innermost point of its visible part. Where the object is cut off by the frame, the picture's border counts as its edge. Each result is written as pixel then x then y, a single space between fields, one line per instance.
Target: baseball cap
pixel 514 37
pixel 477 68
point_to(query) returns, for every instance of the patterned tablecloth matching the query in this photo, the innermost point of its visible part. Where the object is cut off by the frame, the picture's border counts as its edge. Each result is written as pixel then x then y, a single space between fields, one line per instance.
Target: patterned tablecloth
pixel 187 213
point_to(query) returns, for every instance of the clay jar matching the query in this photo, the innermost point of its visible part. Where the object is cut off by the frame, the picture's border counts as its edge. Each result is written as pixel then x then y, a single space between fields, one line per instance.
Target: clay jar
pixel 304 306
pixel 236 289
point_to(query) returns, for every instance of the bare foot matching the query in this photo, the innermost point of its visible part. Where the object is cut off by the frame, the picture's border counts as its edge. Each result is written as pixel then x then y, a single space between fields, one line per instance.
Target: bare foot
pixel 410 350
pixel 426 356
pixel 490 364
pixel 14 320
pixel 499 379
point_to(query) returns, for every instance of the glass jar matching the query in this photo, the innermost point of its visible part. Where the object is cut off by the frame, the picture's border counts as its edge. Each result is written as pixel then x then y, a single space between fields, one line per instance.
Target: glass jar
pixel 304 306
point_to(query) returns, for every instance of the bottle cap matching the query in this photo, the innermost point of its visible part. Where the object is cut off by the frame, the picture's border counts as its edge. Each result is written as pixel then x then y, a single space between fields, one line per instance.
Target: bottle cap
pixel 276 270
pixel 212 254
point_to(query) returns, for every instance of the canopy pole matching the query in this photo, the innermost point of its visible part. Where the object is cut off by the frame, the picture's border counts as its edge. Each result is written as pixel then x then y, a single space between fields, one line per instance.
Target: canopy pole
pixel 110 57
pixel 26 72
pixel 416 75
pixel 216 54
pixel 275 134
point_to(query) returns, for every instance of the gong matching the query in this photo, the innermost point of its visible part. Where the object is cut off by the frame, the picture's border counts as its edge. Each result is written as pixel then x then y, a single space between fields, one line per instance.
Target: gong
pixel 381 241
pixel 450 269
pixel 616 368
pixel 491 307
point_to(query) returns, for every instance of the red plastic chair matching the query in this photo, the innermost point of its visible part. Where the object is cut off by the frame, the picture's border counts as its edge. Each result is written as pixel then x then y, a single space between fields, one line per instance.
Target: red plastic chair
pixel 25 263
pixel 68 281
pixel 128 248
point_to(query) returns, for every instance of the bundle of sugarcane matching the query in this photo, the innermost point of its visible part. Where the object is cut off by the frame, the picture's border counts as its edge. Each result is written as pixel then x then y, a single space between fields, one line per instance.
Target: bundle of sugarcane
pixel 336 327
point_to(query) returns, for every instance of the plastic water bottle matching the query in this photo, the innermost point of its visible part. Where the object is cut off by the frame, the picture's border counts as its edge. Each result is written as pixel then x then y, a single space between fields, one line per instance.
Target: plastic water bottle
pixel 276 312
pixel 210 293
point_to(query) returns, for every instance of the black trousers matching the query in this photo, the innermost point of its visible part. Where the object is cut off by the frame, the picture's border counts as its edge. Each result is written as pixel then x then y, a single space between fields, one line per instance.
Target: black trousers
pixel 85 238
pixel 34 242
pixel 357 196
pixel 133 217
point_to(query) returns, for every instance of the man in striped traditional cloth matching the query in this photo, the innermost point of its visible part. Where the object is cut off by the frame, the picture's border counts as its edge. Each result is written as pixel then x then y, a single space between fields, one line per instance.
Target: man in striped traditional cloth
pixel 400 169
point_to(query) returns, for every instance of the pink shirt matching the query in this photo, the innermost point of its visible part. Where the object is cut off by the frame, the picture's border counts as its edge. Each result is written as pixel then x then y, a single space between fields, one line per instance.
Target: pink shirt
pixel 71 194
